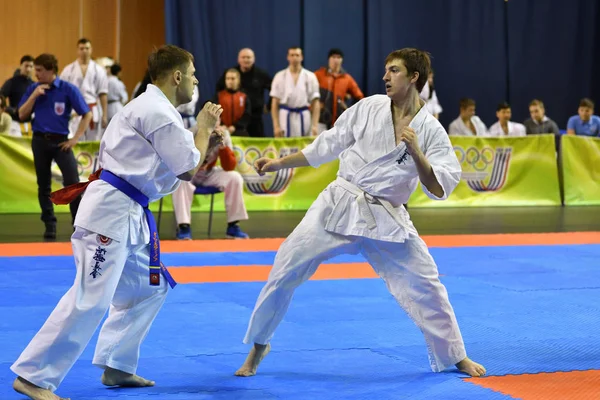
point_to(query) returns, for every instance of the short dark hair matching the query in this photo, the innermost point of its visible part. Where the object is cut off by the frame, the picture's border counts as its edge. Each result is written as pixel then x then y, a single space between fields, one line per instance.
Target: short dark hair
pixel 415 60
pixel 335 52
pixel 84 41
pixel 166 59
pixel 536 102
pixel 26 58
pixel 295 48
pixel 48 61
pixel 585 102
pixel 115 69
pixel 466 103
pixel 502 106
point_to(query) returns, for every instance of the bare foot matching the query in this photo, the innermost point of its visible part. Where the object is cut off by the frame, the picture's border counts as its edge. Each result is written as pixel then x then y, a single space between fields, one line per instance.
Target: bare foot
pixel 256 355
pixel 114 377
pixel 34 392
pixel 471 368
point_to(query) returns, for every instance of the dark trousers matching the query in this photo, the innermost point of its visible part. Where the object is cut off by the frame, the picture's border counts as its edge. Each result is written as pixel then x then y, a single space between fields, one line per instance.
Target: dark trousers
pixel 46 149
pixel 255 126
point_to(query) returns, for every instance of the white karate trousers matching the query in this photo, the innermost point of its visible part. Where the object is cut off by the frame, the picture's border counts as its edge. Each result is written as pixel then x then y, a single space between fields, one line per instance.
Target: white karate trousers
pixel 407 269
pixel 111 276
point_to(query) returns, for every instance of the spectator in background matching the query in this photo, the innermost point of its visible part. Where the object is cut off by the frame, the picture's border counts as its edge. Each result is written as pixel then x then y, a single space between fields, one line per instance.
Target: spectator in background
pixel 140 87
pixel 254 82
pixel 14 89
pixel 295 106
pixel 117 93
pixel 504 126
pixel 5 119
pixel 429 95
pixel 585 123
pixel 336 87
pixel 52 99
pixel 90 77
pixel 539 122
pixel 467 123
pixel 236 106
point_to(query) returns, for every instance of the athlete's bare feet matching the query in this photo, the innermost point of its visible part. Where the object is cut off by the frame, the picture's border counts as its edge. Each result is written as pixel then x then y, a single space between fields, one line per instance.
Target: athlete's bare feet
pixel 114 377
pixel 256 355
pixel 32 391
pixel 471 368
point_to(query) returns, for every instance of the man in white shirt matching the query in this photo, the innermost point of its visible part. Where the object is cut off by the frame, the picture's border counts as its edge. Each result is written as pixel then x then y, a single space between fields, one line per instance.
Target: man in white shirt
pixel 117 93
pixel 467 123
pixel 295 106
pixel 505 127
pixel 386 145
pixel 90 77
pixel 143 155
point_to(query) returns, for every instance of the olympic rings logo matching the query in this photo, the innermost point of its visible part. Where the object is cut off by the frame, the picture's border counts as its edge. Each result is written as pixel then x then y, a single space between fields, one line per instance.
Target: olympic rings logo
pixel 86 162
pixel 478 159
pixel 271 183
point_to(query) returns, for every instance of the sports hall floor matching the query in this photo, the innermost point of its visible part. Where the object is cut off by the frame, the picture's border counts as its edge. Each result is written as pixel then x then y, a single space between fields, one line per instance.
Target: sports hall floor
pixel 524 283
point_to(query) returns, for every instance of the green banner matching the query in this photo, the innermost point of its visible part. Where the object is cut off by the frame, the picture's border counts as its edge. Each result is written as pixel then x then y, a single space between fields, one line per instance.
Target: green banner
pixel 496 172
pixel 581 169
pixel 293 189
pixel 512 171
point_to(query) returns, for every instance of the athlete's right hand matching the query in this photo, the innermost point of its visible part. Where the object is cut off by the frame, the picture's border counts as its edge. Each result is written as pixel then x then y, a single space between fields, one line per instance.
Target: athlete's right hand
pixel 209 116
pixel 265 164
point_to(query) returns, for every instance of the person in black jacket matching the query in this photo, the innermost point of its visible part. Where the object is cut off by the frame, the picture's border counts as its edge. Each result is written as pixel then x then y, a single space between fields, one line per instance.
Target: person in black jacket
pixel 254 82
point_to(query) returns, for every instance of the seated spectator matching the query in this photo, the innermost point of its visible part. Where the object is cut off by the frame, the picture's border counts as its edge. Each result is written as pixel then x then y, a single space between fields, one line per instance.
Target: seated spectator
pixel 5 118
pixel 585 123
pixel 467 123
pixel 236 105
pixel 539 122
pixel 226 179
pixel 504 126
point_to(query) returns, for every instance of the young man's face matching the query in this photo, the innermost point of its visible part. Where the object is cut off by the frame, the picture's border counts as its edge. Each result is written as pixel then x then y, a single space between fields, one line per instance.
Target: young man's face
pixel 295 57
pixel 536 112
pixel 468 112
pixel 397 81
pixel 185 90
pixel 27 68
pixel 43 75
pixel 232 81
pixel 84 51
pixel 504 115
pixel 335 62
pixel 585 113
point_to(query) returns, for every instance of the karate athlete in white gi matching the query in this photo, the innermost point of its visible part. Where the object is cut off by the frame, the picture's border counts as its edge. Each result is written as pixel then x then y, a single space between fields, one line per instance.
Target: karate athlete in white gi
pixel 293 90
pixel 385 144
pixel 90 77
pixel 143 155
pixel 467 123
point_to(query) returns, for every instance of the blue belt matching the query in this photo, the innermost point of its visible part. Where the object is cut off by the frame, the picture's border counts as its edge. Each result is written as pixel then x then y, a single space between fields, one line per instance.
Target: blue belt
pixel 156 267
pixel 291 110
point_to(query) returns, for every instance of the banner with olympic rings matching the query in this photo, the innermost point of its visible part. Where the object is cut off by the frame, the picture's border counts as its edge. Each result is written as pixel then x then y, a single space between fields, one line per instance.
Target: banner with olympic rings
pixel 496 172
pixel 509 171
pixel 291 189
pixel 581 169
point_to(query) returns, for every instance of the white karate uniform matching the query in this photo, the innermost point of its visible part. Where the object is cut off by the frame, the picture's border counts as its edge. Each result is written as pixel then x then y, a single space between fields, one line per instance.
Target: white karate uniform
pixel 459 128
pixel 147 145
pixel 515 129
pixel 91 86
pixel 188 110
pixel 229 182
pixel 117 96
pixel 362 212
pixel 297 95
